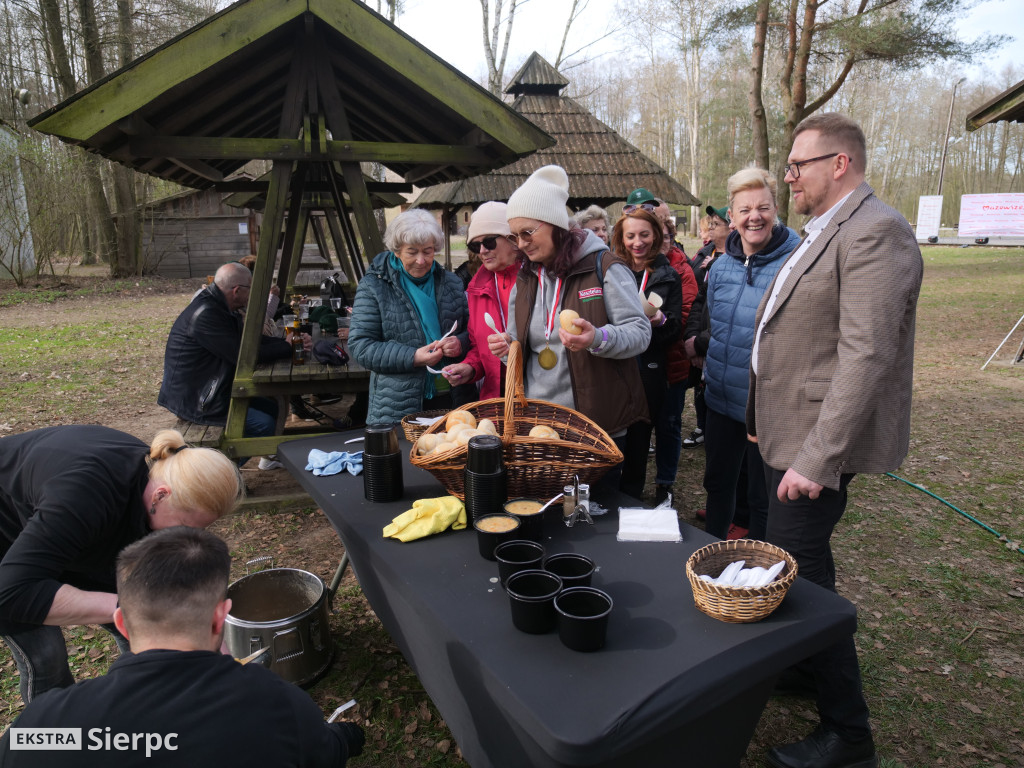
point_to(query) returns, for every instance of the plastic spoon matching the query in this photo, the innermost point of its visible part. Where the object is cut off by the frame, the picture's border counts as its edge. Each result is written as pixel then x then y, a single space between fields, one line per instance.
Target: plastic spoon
pixel 490 322
pixel 347 705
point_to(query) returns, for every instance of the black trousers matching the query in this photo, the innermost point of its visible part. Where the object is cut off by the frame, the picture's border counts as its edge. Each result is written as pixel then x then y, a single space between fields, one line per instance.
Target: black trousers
pixel 726 450
pixel 803 528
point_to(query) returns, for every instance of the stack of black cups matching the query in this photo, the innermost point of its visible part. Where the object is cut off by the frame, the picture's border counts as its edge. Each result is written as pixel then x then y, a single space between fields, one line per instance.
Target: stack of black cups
pixel 485 477
pixel 382 464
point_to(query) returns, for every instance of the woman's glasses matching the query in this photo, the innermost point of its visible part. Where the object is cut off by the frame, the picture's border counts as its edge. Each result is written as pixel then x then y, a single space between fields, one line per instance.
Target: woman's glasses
pixel 490 243
pixel 526 235
pixel 649 207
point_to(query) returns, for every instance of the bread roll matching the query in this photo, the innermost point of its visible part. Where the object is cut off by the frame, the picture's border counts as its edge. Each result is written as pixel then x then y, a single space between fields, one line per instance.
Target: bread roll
pixel 566 319
pixel 487 427
pixel 543 432
pixel 465 434
pixel 456 416
pixel 457 427
pixel 427 443
pixel 445 446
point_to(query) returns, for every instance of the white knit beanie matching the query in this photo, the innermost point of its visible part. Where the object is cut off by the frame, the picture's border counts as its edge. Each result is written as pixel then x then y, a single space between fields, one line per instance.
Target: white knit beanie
pixel 489 219
pixel 542 197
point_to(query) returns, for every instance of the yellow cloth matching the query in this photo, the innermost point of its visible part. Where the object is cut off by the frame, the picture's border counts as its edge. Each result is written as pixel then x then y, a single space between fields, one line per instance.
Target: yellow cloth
pixel 427 517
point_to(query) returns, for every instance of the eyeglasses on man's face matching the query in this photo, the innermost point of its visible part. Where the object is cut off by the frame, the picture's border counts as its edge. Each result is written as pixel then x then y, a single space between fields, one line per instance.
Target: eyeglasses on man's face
pixel 649 207
pixel 490 243
pixel 526 235
pixel 793 169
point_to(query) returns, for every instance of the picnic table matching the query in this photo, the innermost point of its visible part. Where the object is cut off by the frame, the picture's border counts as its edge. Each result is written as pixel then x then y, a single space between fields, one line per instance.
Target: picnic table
pixel 672 686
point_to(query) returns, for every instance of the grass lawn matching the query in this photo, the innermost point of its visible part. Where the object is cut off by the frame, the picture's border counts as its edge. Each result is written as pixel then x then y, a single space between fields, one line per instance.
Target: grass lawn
pixel 940 597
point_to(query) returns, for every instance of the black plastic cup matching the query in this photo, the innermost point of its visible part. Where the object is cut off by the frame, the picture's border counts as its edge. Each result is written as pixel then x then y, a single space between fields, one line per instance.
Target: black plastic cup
pixel 484 454
pixel 485 494
pixel 573 569
pixel 517 555
pixel 490 533
pixel 531 595
pixel 583 617
pixel 380 440
pixel 532 522
pixel 382 478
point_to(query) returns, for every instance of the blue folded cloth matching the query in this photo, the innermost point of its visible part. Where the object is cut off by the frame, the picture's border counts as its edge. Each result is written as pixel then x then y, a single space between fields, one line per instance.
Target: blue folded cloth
pixel 323 463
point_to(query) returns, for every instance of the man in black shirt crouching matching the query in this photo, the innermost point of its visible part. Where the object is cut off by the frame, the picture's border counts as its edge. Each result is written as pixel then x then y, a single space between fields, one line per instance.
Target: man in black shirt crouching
pixel 176 700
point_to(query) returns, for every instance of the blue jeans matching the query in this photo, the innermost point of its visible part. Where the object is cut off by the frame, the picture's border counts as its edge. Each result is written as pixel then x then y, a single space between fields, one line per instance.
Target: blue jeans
pixel 261 417
pixel 42 658
pixel 668 434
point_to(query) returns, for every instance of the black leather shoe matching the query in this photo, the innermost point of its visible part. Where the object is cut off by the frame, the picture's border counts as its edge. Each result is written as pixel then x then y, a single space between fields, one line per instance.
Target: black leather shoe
pixel 825 749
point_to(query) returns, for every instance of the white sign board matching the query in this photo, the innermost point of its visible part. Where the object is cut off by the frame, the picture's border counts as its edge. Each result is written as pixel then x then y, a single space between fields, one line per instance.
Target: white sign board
pixel 992 215
pixel 243 228
pixel 929 215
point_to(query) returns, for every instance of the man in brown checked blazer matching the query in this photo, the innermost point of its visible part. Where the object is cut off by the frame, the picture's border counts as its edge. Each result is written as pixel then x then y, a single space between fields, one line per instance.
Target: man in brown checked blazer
pixel 830 391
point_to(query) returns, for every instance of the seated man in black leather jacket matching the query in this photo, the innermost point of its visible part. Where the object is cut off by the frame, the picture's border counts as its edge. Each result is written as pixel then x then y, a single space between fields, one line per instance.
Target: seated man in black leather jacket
pixel 202 352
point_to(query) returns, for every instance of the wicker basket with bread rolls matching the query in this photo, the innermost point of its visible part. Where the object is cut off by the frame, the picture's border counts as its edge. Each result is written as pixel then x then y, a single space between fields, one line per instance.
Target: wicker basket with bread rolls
pixel 545 443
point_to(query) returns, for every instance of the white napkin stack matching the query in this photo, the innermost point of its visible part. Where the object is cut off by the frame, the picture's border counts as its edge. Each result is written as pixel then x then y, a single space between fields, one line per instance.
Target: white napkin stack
pixel 735 575
pixel 426 421
pixel 637 524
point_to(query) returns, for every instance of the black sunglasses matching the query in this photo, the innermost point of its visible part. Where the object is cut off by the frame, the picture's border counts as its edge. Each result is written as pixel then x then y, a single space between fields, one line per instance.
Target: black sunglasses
pixel 490 243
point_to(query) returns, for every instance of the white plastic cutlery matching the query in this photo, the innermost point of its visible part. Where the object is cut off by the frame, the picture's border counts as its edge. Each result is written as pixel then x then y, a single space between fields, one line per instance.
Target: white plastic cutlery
pixel 490 322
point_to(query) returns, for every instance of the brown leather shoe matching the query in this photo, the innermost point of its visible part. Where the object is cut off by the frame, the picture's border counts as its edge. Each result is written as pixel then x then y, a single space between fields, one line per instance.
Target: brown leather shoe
pixel 825 749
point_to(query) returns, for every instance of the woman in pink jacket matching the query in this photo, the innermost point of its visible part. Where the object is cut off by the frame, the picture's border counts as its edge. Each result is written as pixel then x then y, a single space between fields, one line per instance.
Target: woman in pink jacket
pixel 488 292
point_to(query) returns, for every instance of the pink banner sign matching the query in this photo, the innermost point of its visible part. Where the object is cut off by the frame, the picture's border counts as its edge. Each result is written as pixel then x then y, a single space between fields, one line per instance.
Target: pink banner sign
pixel 992 215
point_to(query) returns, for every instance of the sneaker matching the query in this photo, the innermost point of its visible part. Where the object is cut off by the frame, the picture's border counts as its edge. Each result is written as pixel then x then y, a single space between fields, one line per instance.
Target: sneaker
pixel 661 493
pixel 651 448
pixel 270 462
pixel 696 438
pixel 701 514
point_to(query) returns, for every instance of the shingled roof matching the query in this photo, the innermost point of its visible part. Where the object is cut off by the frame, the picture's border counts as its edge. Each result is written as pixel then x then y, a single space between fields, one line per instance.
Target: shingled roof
pixel 602 166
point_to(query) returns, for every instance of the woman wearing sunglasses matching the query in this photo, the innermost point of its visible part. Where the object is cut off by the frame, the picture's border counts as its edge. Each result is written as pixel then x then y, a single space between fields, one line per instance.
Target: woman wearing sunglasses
pixel 638 238
pixel 488 292
pixel 592 371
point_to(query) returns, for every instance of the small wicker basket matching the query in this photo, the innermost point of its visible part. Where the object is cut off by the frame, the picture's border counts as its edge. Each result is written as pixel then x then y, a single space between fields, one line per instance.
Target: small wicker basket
pixel 739 605
pixel 413 430
pixel 537 468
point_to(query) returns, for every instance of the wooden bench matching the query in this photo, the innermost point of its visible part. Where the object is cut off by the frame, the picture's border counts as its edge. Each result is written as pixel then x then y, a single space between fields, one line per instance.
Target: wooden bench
pixel 202 435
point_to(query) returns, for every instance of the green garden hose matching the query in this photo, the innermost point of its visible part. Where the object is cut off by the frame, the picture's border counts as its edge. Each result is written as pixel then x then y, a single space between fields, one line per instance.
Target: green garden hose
pixel 970 517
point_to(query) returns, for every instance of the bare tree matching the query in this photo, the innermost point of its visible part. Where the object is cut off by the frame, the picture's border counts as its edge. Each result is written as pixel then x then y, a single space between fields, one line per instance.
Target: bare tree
pixel 495 52
pixel 813 33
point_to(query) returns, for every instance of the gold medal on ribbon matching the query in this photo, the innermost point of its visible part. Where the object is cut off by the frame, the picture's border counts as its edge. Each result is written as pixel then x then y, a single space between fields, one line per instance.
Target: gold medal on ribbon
pixel 547 359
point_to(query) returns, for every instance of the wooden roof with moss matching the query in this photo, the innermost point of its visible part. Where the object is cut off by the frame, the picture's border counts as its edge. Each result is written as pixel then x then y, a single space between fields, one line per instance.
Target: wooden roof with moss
pixel 602 166
pixel 1008 106
pixel 197 108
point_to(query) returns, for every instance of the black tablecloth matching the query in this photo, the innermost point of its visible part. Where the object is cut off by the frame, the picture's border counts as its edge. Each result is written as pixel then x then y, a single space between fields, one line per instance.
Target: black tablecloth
pixel 672 687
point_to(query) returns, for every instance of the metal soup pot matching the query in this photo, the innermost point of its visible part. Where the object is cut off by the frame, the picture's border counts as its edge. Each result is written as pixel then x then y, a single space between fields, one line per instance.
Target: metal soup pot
pixel 284 609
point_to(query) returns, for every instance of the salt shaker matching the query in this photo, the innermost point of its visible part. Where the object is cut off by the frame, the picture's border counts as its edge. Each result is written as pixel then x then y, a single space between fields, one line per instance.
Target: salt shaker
pixel 568 501
pixel 584 497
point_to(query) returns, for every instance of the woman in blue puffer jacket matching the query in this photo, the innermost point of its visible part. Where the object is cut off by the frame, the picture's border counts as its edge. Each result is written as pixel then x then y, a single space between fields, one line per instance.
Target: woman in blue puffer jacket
pixel 405 303
pixel 754 253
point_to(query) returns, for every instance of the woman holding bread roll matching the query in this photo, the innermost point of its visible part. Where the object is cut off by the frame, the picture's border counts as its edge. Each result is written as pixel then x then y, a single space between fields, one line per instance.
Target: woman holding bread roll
pixel 638 238
pixel 584 363
pixel 488 293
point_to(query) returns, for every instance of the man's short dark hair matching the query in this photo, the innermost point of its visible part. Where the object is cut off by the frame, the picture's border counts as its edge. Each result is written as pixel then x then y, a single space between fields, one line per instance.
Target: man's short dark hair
pixel 840 134
pixel 173 577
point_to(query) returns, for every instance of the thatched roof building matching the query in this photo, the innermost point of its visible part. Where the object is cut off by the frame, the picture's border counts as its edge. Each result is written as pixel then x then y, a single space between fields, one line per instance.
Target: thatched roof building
pixel 602 166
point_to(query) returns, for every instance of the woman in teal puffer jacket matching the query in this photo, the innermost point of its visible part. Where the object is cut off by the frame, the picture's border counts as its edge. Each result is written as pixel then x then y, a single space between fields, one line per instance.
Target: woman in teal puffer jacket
pixel 754 253
pixel 405 303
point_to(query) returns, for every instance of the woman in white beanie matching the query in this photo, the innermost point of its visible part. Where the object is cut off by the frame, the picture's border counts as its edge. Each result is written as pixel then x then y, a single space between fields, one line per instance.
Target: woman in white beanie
pixel 488 292
pixel 592 370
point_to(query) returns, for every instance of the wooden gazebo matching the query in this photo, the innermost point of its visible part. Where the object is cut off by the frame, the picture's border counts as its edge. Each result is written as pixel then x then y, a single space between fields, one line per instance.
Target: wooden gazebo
pixel 602 166
pixel 316 87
